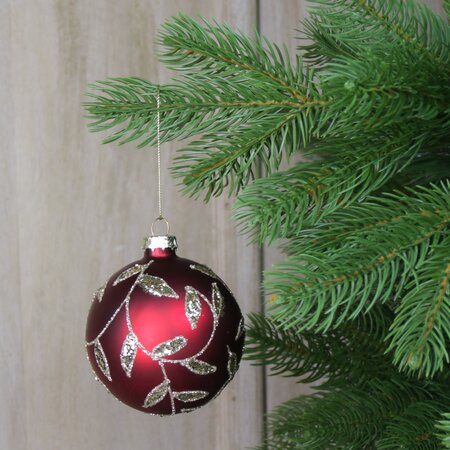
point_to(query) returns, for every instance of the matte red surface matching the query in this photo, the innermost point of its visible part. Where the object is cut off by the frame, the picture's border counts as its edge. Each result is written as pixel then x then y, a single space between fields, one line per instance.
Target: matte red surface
pixel 158 319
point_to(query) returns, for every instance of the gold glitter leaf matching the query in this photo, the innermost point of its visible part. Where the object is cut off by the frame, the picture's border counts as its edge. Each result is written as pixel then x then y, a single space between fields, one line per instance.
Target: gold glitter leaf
pixel 240 330
pixel 137 268
pixel 190 396
pixel 204 269
pixel 217 301
pixel 156 286
pixel 192 306
pixel 102 362
pixel 128 353
pixel 98 294
pixel 169 347
pixel 157 394
pixel 187 410
pixel 232 365
pixel 198 367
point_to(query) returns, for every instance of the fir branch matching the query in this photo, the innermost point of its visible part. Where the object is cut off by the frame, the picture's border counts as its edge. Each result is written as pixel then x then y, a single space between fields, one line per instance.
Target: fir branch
pixel 413 428
pixel 372 82
pixel 215 49
pixel 233 85
pixel 340 353
pixel 420 333
pixel 326 40
pixel 219 160
pixel 322 286
pixel 349 27
pixel 383 90
pixel 281 205
pixel 358 417
pixel 410 22
pixel 238 131
pixel 194 105
pixel 388 211
pixel 244 94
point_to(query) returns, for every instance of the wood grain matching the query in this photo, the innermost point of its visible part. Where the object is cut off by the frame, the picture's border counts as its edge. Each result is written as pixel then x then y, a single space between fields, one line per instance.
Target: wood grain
pixel 12 391
pixel 76 211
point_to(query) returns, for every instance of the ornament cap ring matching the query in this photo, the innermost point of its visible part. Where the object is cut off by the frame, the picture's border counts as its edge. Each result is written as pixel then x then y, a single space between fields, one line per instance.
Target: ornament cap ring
pixel 163 219
pixel 160 242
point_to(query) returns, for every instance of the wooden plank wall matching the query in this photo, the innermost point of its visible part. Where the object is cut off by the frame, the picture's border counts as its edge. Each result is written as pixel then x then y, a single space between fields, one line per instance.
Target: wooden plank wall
pixel 77 211
pixel 74 211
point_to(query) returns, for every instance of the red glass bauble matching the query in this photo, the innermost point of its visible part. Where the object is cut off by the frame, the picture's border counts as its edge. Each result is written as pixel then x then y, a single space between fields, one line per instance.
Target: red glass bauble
pixel 164 334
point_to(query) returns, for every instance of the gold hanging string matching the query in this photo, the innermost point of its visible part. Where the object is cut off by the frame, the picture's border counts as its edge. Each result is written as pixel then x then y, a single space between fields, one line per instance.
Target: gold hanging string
pixel 158 151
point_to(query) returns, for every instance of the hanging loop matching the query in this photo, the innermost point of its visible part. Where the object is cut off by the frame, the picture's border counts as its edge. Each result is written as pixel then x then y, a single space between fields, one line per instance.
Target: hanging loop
pixel 158 219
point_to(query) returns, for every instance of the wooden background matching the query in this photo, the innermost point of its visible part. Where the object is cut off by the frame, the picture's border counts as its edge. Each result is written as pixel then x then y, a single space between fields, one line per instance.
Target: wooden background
pixel 73 212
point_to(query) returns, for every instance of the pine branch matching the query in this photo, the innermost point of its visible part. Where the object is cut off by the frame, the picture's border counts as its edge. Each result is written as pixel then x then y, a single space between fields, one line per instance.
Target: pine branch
pixel 367 265
pixel 384 89
pixel 326 40
pixel 244 94
pixel 216 49
pixel 322 421
pixel 374 81
pixel 376 216
pixel 420 334
pixel 413 428
pixel 253 105
pixel 340 353
pixel 283 204
pixel 219 160
pixel 350 27
pixel 194 105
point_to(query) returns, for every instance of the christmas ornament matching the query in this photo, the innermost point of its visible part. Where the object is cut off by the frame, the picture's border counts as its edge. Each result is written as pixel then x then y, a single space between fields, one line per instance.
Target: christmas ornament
pixel 164 334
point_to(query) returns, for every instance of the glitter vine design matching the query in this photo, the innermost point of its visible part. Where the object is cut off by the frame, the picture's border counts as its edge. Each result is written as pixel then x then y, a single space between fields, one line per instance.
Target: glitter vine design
pixel 161 353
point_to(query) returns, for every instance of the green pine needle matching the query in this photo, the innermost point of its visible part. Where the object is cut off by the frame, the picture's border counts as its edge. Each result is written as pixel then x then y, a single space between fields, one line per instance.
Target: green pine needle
pixel 443 426
pixel 385 247
pixel 382 414
pixel 340 353
pixel 281 205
